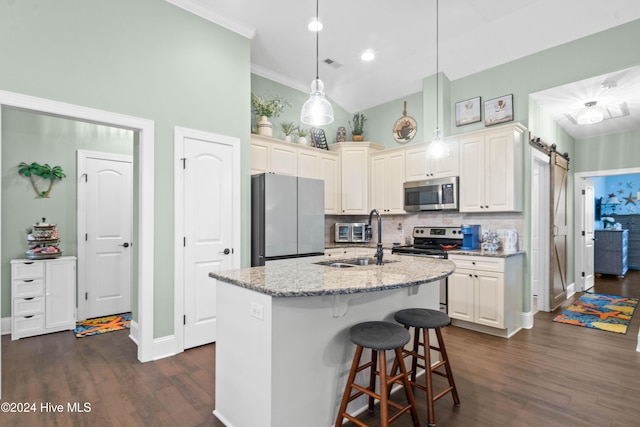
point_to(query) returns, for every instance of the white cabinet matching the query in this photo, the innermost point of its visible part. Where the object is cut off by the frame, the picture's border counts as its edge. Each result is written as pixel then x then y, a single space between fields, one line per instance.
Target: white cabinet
pixel 491 170
pixel 354 173
pixel 43 294
pixel 419 167
pixel 387 178
pixel 324 165
pixel 272 155
pixel 485 293
pixel 287 158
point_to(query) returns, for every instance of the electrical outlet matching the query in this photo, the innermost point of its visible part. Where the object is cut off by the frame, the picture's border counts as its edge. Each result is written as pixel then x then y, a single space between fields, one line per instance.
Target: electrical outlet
pixel 256 310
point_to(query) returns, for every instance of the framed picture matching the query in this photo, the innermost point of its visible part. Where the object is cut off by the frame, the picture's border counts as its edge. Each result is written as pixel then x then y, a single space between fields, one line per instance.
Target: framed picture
pixel 468 111
pixel 319 139
pixel 498 110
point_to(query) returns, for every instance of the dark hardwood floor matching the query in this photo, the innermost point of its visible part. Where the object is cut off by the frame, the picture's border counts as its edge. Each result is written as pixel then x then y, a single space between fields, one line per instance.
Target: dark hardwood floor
pixel 551 375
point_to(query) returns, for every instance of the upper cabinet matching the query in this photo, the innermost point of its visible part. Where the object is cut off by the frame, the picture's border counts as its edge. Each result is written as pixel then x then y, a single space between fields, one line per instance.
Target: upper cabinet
pixel 419 167
pixel 491 175
pixel 287 158
pixel 387 179
pixel 273 155
pixel 355 175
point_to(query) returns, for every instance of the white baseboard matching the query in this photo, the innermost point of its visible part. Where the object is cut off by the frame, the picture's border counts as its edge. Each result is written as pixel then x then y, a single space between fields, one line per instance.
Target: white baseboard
pixel 5 326
pixel 527 319
pixel 134 332
pixel 571 289
pixel 164 347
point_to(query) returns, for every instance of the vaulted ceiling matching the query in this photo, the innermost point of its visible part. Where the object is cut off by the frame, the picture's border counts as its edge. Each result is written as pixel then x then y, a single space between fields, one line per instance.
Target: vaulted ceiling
pixel 474 35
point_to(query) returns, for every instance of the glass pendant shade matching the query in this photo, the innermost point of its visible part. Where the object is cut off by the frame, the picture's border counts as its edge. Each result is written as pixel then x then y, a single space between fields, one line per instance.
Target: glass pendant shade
pixel 317 111
pixel 437 148
pixel 589 115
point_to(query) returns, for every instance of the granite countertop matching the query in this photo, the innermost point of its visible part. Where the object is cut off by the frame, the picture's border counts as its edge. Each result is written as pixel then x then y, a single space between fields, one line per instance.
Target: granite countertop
pixel 307 279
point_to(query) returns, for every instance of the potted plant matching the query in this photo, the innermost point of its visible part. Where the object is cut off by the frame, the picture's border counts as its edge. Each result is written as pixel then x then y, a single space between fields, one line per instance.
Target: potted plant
pixel 357 128
pixel 288 128
pixel 43 171
pixel 266 108
pixel 302 135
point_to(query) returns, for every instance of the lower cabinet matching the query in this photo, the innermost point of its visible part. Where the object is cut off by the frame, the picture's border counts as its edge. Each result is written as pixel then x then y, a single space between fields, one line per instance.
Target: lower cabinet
pixel 43 294
pixel 485 293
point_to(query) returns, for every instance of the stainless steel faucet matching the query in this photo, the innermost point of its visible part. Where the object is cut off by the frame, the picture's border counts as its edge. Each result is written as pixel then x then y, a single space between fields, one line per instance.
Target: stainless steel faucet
pixel 379 251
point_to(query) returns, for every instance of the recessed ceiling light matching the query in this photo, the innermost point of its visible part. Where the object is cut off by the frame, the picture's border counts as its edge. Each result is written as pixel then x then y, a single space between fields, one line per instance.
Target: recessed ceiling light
pixel 315 25
pixel 368 55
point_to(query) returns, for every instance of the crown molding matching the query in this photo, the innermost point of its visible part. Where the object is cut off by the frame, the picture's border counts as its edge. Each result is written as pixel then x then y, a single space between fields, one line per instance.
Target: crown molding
pixel 197 9
pixel 280 78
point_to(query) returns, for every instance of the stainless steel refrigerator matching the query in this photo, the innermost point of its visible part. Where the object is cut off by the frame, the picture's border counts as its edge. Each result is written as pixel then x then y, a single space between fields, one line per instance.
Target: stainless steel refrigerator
pixel 287 218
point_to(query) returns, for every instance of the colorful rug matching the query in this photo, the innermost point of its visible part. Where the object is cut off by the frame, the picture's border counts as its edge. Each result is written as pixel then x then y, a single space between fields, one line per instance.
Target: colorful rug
pixel 100 325
pixel 599 311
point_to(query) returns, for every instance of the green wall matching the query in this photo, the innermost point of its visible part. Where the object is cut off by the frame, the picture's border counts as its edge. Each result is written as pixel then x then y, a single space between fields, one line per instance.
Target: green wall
pixel 28 137
pixel 144 58
pixel 608 152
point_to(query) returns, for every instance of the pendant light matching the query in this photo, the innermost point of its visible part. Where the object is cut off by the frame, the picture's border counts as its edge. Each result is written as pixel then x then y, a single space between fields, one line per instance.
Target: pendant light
pixel 437 148
pixel 317 111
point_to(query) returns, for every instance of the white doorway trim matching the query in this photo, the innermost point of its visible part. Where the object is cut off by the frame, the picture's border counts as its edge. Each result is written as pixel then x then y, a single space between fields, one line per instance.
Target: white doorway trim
pixel 578 208
pixel 580 211
pixel 145 238
pixel 540 220
pixel 180 134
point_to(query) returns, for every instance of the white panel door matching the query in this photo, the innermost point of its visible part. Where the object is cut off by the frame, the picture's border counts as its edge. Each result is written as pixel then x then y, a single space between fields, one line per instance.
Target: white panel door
pixel 107 194
pixel 208 227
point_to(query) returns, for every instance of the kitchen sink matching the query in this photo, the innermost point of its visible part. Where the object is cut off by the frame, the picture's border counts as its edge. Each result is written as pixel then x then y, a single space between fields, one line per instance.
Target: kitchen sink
pixel 346 263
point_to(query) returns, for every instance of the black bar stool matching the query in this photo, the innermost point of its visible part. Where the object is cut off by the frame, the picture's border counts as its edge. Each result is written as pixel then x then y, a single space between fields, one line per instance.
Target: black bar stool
pixel 423 319
pixel 379 337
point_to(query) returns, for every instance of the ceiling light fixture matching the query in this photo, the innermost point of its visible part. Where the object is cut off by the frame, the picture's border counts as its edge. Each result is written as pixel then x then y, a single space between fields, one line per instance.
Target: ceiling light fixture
pixel 368 55
pixel 317 111
pixel 590 114
pixel 315 25
pixel 437 148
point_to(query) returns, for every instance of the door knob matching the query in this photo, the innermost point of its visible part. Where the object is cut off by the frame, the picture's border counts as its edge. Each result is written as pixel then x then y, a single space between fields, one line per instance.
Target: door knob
pixel 226 251
pixel 125 244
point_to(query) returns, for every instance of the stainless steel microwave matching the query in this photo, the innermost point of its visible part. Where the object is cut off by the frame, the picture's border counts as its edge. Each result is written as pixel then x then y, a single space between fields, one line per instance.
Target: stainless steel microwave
pixel 431 194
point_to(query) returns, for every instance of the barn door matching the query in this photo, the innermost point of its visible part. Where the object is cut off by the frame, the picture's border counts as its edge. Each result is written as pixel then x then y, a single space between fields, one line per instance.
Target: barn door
pixel 558 261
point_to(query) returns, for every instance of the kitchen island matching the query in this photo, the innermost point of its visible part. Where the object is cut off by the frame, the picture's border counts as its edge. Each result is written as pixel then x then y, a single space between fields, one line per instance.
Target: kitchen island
pixel 283 351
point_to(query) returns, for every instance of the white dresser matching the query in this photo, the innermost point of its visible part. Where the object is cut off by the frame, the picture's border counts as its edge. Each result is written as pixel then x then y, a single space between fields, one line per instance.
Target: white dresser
pixel 43 294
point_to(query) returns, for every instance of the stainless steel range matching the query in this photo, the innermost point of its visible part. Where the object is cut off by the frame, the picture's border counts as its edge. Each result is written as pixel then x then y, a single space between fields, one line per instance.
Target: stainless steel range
pixel 433 242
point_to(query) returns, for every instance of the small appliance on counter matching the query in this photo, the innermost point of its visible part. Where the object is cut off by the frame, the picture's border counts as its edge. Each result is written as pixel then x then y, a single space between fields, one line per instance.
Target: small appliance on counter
pixel 350 232
pixel 470 237
pixel 509 239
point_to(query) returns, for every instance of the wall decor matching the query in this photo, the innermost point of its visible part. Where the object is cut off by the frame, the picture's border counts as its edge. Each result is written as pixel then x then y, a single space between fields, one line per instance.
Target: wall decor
pixel 498 110
pixel 43 171
pixel 468 111
pixel 319 139
pixel 404 129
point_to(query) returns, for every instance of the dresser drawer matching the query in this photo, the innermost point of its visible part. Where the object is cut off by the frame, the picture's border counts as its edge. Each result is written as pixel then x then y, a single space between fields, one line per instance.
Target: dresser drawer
pixel 25 306
pixel 27 270
pixel 28 288
pixel 27 325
